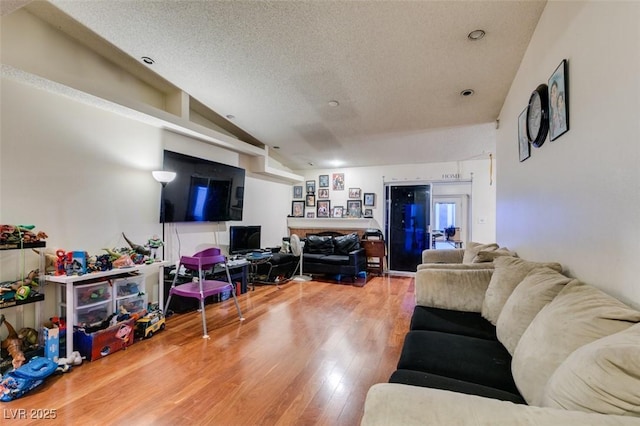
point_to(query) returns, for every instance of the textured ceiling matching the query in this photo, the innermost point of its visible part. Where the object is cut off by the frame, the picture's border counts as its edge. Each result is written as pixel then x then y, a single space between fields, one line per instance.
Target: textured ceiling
pixel 396 67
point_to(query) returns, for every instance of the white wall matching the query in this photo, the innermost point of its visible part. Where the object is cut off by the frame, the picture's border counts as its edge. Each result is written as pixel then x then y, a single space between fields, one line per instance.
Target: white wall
pixel 83 175
pixel 577 199
pixel 372 179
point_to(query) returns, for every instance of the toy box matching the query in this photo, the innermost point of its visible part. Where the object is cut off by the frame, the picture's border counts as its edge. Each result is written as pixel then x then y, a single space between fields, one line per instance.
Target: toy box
pixel 51 341
pixel 104 342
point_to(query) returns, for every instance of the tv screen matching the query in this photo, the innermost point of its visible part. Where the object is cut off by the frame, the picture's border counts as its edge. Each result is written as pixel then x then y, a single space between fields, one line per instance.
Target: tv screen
pixel 244 239
pixel 203 191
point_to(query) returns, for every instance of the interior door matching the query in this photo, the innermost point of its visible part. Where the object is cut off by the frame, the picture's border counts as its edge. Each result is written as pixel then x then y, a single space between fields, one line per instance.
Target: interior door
pixel 408 213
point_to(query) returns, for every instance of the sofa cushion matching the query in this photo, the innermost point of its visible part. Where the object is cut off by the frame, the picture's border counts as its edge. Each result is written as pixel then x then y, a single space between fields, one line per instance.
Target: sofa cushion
pixel 508 273
pixel 535 291
pixel 579 314
pixel 419 378
pixel 335 259
pixel 345 244
pixel 449 321
pixel 472 250
pixel 317 244
pixel 481 361
pixel 602 377
pixel 484 256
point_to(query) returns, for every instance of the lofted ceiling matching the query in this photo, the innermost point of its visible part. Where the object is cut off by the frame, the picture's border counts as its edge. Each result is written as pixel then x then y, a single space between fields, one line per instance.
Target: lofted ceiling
pixel 273 68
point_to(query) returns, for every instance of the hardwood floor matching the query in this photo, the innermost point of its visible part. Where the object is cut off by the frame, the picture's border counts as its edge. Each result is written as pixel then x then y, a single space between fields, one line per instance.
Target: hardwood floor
pixel 306 355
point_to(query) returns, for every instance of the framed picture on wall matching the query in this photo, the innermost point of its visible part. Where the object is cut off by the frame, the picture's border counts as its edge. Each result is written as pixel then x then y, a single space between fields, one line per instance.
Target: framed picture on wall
pixel 311 215
pixel 338 181
pixel 368 212
pixel 324 208
pixel 369 199
pixel 297 191
pixel 311 186
pixel 323 181
pixel 524 148
pixel 354 192
pixel 337 211
pixel 323 193
pixel 558 102
pixel 311 200
pixel 297 208
pixel 354 208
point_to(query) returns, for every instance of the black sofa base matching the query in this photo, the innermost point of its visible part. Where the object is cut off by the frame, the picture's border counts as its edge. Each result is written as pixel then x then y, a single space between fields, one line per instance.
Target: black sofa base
pixel 455 351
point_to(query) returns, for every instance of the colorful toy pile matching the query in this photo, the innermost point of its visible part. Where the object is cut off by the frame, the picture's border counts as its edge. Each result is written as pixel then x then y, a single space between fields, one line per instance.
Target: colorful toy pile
pixel 16 234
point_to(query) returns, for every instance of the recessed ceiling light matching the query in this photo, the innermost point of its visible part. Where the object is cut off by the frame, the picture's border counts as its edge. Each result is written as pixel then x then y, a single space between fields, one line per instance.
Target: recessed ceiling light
pixel 476 35
pixel 276 147
pixel 147 60
pixel 334 103
pixel 467 92
pixel 230 116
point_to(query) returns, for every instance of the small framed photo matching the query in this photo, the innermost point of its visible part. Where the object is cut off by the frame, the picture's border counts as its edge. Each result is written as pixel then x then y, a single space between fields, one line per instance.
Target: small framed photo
pixel 558 102
pixel 323 181
pixel 297 208
pixel 311 215
pixel 323 193
pixel 311 186
pixel 524 148
pixel 369 199
pixel 338 181
pixel 337 211
pixel 297 191
pixel 324 208
pixel 354 192
pixel 368 212
pixel 311 200
pixel 354 208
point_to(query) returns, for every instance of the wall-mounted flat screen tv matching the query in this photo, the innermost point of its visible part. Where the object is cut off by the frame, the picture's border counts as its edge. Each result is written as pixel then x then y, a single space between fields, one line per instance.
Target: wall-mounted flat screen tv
pixel 244 239
pixel 203 191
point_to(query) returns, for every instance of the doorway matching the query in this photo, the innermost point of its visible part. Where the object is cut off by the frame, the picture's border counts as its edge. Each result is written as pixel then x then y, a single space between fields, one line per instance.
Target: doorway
pixel 407 217
pixel 449 211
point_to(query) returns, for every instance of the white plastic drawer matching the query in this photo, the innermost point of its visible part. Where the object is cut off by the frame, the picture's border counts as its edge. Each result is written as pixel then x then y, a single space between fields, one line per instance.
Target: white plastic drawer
pixel 91 294
pixel 131 305
pixel 128 286
pixel 92 315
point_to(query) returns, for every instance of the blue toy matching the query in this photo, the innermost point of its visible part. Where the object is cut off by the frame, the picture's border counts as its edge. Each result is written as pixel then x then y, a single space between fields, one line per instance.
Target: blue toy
pixel 17 382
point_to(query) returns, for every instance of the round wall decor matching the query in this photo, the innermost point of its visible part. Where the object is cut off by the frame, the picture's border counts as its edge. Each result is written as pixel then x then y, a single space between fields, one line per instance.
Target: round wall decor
pixel 538 116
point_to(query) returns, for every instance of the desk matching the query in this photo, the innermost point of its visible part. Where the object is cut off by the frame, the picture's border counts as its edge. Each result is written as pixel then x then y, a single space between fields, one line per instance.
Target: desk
pixel 70 280
pixel 256 259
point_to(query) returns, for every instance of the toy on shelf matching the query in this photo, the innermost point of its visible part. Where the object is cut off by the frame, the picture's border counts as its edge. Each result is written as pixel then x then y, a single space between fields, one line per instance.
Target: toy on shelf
pixel 154 244
pixel 137 247
pixel 13 344
pixel 16 234
pixel 50 261
pixel 19 289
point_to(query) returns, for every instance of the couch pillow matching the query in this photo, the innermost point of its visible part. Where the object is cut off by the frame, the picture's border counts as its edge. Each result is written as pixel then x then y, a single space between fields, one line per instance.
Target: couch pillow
pixel 535 291
pixel 602 377
pixel 473 248
pixel 508 273
pixel 490 255
pixel 317 244
pixel 580 314
pixel 345 244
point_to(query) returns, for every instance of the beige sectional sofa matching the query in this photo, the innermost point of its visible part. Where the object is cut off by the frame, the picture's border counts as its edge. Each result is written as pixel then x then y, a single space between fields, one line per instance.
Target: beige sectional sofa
pixel 575 350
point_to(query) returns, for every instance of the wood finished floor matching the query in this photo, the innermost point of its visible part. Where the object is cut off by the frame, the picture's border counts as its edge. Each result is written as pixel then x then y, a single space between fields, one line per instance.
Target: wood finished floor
pixel 306 355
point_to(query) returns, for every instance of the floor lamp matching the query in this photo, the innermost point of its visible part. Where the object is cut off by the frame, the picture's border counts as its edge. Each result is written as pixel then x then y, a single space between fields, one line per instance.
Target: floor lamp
pixel 164 178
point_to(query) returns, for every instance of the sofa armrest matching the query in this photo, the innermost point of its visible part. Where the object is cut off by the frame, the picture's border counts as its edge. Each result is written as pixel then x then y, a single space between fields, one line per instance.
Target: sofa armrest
pixel 357 257
pixel 397 404
pixel 457 289
pixel 458 266
pixel 443 256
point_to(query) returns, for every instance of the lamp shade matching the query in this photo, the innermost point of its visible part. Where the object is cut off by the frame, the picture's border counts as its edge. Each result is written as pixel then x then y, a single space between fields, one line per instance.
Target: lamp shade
pixel 163 177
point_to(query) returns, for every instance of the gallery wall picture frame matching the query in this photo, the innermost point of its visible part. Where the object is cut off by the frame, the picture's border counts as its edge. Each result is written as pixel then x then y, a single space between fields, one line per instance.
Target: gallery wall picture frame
pixel 297 191
pixel 354 192
pixel 369 199
pixel 311 215
pixel 558 101
pixel 323 193
pixel 368 212
pixel 354 208
pixel 323 181
pixel 324 208
pixel 337 211
pixel 524 147
pixel 297 208
pixel 311 186
pixel 338 181
pixel 311 200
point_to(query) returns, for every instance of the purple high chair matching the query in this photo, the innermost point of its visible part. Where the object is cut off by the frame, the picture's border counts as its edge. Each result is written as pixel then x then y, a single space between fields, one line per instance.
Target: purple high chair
pixel 203 261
